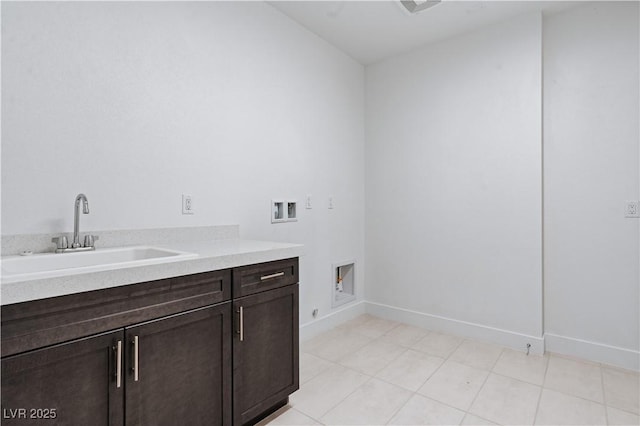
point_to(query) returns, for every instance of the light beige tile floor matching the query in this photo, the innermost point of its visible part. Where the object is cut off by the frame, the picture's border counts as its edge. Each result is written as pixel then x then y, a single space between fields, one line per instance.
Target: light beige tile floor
pixel 370 371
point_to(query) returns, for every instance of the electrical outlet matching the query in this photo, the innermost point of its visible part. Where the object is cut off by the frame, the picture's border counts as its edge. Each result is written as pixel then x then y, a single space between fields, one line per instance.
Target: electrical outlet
pixel 307 202
pixel 187 204
pixel 331 203
pixel 631 209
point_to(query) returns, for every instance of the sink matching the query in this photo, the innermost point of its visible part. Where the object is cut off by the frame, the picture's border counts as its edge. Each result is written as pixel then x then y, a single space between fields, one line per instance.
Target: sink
pixel 49 265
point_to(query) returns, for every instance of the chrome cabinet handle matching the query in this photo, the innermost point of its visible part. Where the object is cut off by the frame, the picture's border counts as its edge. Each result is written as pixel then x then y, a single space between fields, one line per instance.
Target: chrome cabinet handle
pixel 276 275
pixel 118 349
pixel 241 331
pixel 135 367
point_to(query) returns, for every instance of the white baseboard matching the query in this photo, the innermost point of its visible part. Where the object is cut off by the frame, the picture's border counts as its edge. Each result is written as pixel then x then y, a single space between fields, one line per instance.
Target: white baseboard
pixel 592 351
pixel 460 328
pixel 327 322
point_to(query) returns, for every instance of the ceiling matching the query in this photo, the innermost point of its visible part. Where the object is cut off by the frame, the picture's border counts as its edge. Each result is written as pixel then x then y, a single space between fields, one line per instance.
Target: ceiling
pixel 370 31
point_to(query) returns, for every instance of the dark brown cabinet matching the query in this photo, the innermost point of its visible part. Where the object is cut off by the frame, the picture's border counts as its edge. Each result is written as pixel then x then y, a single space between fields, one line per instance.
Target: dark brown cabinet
pixel 68 384
pixel 265 352
pixel 173 351
pixel 179 368
pixel 175 370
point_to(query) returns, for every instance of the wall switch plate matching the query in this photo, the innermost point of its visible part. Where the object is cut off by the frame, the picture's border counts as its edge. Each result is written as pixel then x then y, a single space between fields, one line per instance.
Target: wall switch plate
pixel 631 209
pixel 187 204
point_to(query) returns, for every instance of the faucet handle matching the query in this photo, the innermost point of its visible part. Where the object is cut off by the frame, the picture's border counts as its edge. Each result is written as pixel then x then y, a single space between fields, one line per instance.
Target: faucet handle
pixel 89 240
pixel 61 242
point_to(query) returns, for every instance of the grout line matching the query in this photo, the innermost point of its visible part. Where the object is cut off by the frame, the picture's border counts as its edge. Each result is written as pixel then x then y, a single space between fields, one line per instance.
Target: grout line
pixel 580 397
pixel 497 359
pixel 567 393
pixel 432 373
pixel 475 415
pixel 478 393
pixel 348 395
pixel 409 390
pixel 604 395
pixel 484 383
pixel 544 381
pixel 399 408
pixel 443 403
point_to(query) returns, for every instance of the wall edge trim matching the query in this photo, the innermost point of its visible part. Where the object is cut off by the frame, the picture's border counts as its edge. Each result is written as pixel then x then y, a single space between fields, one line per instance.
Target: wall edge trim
pixel 593 351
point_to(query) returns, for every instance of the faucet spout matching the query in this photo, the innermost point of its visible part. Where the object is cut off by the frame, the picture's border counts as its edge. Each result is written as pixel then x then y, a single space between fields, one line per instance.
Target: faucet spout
pixel 76 218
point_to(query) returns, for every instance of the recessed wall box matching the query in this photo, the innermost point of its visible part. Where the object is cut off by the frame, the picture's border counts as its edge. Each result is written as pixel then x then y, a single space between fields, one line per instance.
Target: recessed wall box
pixel 343 283
pixel 284 210
pixel 291 211
pixel 278 212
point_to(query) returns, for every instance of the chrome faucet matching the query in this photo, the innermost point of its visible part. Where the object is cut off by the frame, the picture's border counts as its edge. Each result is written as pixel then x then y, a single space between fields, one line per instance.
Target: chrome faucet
pixel 76 218
pixel 62 242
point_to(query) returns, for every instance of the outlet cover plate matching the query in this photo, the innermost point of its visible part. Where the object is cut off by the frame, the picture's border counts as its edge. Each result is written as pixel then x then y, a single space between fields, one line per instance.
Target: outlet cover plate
pixel 187 204
pixel 631 209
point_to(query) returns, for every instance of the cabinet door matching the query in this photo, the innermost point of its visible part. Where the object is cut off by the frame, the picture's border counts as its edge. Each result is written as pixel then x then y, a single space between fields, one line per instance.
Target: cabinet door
pixel 179 369
pixel 72 383
pixel 265 352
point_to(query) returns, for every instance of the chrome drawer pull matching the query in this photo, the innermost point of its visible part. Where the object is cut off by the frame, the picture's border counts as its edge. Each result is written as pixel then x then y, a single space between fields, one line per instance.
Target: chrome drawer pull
pixel 119 364
pixel 241 331
pixel 276 275
pixel 135 358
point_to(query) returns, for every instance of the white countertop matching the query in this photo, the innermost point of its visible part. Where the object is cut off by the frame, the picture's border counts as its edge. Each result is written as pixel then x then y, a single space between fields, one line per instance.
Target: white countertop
pixel 212 255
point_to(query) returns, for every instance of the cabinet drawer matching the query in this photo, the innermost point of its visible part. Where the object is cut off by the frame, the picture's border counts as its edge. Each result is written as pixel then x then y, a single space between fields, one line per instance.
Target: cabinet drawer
pixel 40 323
pixel 264 276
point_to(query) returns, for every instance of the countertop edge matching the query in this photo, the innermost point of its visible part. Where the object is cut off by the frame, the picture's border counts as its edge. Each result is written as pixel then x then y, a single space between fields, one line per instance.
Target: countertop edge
pixel 239 253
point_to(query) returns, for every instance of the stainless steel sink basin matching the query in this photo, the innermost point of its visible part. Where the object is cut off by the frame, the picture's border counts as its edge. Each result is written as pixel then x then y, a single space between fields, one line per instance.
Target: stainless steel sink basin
pixel 48 265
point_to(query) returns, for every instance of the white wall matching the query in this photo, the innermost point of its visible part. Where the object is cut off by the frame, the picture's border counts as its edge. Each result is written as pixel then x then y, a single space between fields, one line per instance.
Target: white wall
pixel 136 103
pixel 591 134
pixel 453 179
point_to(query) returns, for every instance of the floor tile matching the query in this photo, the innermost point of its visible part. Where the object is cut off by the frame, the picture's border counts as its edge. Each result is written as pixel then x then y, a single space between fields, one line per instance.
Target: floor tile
pixel 519 365
pixel 311 366
pixel 619 417
pixel 471 420
pixel 437 344
pixel 373 403
pixel 410 370
pixel 406 359
pixel 454 384
pixel 424 411
pixel 477 354
pixel 621 389
pixel 326 390
pixel 577 378
pixel 557 408
pixel 406 335
pixel 289 416
pixel 360 319
pixel 372 327
pixel 335 344
pixel 372 357
pixel 506 401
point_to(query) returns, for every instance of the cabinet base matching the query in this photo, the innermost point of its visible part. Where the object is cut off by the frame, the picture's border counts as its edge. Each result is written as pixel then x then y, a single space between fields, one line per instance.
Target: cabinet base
pixel 267 412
